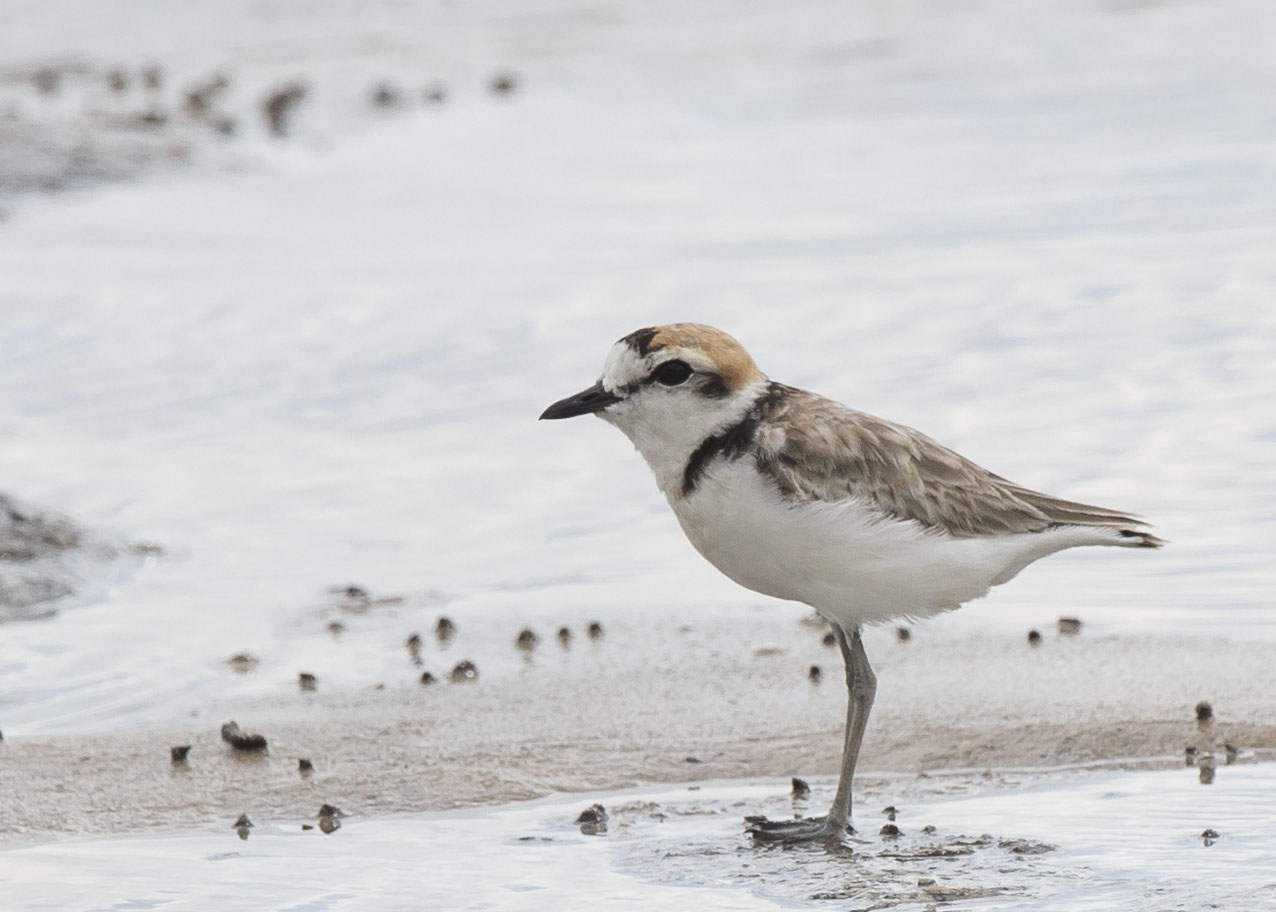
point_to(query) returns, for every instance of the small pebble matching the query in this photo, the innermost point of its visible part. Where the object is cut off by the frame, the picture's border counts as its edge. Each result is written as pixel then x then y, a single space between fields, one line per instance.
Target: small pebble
pixel 1069 626
pixel 242 826
pixel 527 640
pixel 355 600
pixel 201 97
pixel 800 788
pixel 335 627
pixel 463 671
pixel 564 636
pixel 307 681
pixel 177 753
pixel 445 629
pixel 427 678
pixel 503 84
pixel 414 648
pixel 304 766
pixel 1204 713
pixel 277 107
pixel 593 820
pixel 1034 638
pixel 929 829
pixel 385 95
pixel 903 634
pixel 692 760
pixel 242 662
pixel 829 639
pixel 241 741
pixel 889 830
pixel 1206 768
pixel 595 630
pixel 435 93
pixel 330 818
pixel 814 674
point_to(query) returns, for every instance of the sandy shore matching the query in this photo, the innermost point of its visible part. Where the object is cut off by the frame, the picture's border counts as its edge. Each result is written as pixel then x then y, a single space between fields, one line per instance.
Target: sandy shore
pixel 649 704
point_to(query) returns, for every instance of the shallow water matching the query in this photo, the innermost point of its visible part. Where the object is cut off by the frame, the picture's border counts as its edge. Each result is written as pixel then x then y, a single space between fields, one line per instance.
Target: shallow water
pixel 1014 840
pixel 1039 241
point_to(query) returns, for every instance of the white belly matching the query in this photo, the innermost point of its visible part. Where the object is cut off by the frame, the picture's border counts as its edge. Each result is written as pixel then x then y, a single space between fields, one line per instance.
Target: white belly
pixel 847 560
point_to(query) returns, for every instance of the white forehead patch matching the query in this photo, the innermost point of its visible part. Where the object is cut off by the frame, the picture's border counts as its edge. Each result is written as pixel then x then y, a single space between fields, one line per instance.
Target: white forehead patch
pixel 623 367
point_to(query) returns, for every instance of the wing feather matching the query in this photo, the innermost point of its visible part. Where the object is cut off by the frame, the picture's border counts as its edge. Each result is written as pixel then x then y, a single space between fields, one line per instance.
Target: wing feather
pixel 829 452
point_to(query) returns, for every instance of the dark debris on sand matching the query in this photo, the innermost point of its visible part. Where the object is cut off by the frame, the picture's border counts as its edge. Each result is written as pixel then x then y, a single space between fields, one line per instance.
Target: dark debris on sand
pixel 463 672
pixel 35 572
pixel 593 820
pixel 242 826
pixel 330 818
pixel 242 741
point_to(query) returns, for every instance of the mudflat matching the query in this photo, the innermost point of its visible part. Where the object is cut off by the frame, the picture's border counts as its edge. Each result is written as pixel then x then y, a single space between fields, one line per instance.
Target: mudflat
pixel 650 704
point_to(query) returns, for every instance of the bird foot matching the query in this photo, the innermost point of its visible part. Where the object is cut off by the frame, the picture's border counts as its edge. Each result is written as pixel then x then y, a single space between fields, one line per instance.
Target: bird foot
pixel 806 829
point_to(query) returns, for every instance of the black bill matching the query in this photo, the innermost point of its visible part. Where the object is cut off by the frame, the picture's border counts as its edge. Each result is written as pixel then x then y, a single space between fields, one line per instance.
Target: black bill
pixel 586 402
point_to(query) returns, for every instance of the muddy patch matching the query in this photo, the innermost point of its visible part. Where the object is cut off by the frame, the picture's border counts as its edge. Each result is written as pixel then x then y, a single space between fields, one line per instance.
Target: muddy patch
pixel 47 558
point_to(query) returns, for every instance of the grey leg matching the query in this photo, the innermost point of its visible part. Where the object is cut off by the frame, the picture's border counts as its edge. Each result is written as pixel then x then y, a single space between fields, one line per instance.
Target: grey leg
pixel 861 686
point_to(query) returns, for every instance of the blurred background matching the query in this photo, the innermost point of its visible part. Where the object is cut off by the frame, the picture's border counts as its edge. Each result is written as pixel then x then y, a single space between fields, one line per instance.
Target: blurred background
pixel 284 286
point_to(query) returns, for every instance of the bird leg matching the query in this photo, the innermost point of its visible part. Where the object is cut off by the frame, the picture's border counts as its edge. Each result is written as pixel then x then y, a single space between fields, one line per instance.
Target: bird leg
pixel 861 686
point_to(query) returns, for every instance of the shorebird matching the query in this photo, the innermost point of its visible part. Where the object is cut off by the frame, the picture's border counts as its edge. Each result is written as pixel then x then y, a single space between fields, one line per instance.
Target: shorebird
pixel 795 496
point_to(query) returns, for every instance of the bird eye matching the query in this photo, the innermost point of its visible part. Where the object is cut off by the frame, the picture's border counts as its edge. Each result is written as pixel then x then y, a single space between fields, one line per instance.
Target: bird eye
pixel 671 373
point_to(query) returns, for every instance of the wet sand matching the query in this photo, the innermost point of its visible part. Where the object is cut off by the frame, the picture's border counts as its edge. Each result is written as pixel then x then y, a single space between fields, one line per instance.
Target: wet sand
pixel 645 705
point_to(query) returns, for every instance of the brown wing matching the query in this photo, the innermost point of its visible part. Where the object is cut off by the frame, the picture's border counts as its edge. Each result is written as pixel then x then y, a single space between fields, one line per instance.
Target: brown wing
pixel 829 453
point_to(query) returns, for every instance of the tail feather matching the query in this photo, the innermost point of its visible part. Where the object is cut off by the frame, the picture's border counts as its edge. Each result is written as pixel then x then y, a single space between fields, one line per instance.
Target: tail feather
pixel 1131 529
pixel 1138 538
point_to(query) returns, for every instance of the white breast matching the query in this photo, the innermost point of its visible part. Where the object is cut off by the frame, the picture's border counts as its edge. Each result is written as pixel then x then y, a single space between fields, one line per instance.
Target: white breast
pixel 848 560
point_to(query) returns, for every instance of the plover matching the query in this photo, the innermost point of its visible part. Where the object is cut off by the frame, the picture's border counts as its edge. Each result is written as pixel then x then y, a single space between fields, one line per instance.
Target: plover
pixel 797 497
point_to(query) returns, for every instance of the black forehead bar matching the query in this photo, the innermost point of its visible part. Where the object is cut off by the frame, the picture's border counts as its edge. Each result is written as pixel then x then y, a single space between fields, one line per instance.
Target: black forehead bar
pixel 640 340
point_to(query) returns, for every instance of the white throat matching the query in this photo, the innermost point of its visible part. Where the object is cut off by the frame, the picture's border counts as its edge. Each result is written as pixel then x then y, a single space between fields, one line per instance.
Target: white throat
pixel 666 429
